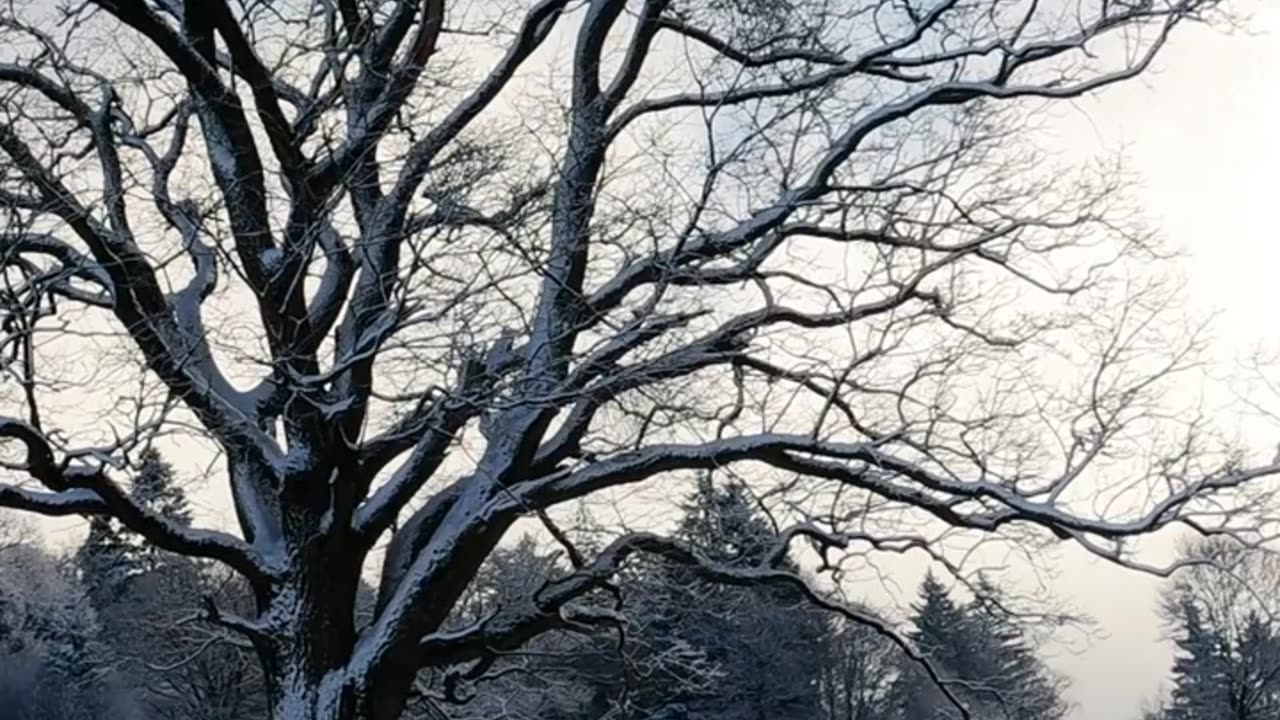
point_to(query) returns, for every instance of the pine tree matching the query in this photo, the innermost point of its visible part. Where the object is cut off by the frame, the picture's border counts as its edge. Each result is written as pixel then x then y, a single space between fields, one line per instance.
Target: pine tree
pixel 763 643
pixel 1255 671
pixel 104 561
pixel 723 524
pixel 52 662
pixel 156 488
pixel 692 649
pixel 1227 665
pixel 144 598
pixel 1020 683
pixel 553 679
pixel 942 634
pixel 110 554
pixel 986 656
pixel 1218 673
pixel 941 630
pixel 1200 668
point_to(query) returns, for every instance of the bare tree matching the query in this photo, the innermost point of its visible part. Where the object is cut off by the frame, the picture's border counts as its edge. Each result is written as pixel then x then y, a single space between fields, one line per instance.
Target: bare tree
pixel 857 674
pixel 415 270
pixel 1229 581
pixel 184 668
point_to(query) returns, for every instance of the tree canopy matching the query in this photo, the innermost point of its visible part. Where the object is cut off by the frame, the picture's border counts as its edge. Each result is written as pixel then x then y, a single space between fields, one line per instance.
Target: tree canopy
pixel 412 272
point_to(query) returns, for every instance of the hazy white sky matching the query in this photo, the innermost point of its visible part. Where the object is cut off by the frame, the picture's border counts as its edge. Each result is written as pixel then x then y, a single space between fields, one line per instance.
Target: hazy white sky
pixel 1201 132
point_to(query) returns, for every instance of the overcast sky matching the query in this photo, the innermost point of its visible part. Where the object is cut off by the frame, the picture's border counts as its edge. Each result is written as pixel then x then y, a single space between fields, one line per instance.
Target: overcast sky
pixel 1202 133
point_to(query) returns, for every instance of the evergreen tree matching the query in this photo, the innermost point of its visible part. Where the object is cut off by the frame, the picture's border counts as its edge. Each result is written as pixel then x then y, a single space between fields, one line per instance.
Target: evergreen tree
pixel 1219 674
pixel 110 554
pixel 761 643
pixel 560 676
pixel 1199 668
pixel 724 525
pixel 1020 683
pixel 104 561
pixel 156 488
pixel 941 633
pixel 941 629
pixel 692 649
pixel 1255 671
pixel 53 665
pixel 982 652
pixel 144 599
pixel 1227 665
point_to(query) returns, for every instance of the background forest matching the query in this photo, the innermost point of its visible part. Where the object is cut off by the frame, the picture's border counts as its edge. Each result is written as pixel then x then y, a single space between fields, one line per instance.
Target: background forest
pixel 116 630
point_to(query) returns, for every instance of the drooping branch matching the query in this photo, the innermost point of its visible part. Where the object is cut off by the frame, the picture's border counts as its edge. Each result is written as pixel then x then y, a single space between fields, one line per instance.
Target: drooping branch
pixel 872 467
pixel 551 606
pixel 84 490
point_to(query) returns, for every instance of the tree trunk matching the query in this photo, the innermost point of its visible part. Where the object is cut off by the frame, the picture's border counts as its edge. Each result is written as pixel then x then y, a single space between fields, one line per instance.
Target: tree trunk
pixel 303 663
pixel 301 693
pixel 310 623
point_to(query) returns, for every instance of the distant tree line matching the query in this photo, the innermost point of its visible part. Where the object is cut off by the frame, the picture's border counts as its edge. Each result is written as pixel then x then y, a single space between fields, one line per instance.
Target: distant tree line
pixel 118 630
pixel 690 648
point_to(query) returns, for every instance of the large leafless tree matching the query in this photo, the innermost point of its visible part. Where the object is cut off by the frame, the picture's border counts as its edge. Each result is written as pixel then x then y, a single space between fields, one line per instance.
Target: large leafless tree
pixel 416 269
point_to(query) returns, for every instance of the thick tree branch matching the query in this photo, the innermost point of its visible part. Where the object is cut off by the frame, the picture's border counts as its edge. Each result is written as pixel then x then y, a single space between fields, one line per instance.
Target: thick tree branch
pixel 88 491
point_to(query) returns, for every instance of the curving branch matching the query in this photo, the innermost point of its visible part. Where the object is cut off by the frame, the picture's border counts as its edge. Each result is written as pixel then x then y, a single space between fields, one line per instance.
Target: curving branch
pixel 83 490
pixel 413 271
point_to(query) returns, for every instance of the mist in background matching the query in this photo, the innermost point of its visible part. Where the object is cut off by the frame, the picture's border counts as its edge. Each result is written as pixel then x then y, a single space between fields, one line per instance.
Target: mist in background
pixel 1200 131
